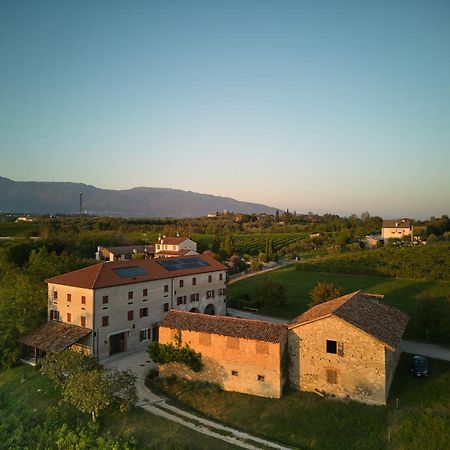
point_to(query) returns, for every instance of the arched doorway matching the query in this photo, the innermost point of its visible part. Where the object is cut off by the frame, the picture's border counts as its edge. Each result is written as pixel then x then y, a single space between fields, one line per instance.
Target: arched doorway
pixel 210 310
pixel 194 310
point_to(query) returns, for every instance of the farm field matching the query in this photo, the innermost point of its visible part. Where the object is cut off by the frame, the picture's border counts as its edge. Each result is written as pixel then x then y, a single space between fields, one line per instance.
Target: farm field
pixel 401 293
pixel 253 244
pixel 29 410
pixel 18 229
pixel 421 420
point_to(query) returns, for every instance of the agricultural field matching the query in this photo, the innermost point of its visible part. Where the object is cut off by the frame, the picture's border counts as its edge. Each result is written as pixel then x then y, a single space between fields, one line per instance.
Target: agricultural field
pixel 402 293
pixel 416 417
pixel 253 244
pixel 19 229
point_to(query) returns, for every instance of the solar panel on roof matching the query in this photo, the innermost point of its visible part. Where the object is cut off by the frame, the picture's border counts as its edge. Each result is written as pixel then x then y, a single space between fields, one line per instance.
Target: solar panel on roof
pixel 182 264
pixel 129 272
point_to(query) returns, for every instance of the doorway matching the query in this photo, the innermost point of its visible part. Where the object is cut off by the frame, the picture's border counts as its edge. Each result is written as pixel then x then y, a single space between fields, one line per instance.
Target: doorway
pixel 117 343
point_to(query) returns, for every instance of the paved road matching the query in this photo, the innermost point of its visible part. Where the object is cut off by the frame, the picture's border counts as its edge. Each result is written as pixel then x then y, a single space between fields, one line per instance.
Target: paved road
pixel 265 269
pixel 416 348
pixel 140 363
pixel 424 349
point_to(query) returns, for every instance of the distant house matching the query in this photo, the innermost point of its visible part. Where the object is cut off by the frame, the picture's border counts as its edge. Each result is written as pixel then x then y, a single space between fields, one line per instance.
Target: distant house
pixel 170 247
pixel 372 241
pixel 24 219
pixel 348 347
pixel 123 253
pixel 239 355
pixel 396 229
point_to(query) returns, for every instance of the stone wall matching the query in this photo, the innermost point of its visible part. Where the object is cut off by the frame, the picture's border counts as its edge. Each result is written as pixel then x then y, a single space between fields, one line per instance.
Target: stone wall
pixel 356 370
pixel 235 364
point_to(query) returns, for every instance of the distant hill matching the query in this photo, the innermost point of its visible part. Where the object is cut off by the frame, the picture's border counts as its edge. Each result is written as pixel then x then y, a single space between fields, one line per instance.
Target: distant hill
pixel 36 197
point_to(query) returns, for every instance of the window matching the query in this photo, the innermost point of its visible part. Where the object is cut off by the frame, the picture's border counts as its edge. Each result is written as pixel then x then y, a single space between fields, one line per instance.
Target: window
pixel 179 301
pixel 166 288
pixel 144 292
pixel 69 297
pixel 55 295
pixel 331 376
pixel 130 315
pixel 213 293
pixel 194 281
pixel 222 291
pixel 130 295
pixel 260 377
pixel 54 315
pixel 166 307
pixel 69 317
pixel 220 276
pixel 143 312
pixel 204 339
pixel 233 343
pixel 144 334
pixel 262 347
pixel 83 321
pixel 105 321
pixel 184 299
pixel 105 299
pixel 208 294
pixel 181 283
pixel 192 298
pixel 209 278
pixel 235 373
pixel 83 300
pixel 331 346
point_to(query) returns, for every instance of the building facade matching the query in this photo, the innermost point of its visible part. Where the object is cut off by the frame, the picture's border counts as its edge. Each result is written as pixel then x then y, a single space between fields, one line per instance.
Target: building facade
pixel 239 355
pixel 396 229
pixel 123 302
pixel 171 247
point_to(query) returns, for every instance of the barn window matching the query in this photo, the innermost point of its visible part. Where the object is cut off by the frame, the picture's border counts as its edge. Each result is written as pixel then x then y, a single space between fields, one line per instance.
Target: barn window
pixel 331 346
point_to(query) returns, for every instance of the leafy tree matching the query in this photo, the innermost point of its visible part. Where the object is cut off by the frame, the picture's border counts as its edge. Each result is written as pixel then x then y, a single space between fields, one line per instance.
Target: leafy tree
pixel 272 294
pixel 322 292
pixel 89 391
pixel 229 245
pixel 168 353
pixel 59 367
pixel 124 388
pixel 215 244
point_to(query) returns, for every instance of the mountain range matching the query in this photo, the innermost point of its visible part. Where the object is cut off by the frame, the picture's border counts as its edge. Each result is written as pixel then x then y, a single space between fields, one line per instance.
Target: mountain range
pixel 38 197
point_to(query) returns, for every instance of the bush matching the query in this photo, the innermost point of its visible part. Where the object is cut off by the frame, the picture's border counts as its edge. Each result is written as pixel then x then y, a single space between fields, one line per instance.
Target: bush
pixel 168 353
pixel 323 291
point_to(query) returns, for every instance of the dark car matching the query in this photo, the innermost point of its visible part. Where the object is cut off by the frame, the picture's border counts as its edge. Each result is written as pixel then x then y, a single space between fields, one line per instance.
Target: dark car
pixel 419 366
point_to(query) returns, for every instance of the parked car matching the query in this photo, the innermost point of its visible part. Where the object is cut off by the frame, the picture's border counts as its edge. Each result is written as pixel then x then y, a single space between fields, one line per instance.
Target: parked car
pixel 419 366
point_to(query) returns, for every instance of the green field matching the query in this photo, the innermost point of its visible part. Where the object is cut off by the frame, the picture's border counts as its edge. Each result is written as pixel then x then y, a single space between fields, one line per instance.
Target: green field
pixel 253 244
pixel 401 293
pixel 18 229
pixel 28 408
pixel 307 421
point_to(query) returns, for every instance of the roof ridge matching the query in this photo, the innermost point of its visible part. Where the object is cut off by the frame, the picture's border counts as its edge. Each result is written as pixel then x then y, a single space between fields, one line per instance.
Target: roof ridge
pixel 207 316
pixel 100 265
pixel 350 297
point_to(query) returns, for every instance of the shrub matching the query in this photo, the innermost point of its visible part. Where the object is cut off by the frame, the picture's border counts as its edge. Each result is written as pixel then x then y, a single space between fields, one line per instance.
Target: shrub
pixel 168 353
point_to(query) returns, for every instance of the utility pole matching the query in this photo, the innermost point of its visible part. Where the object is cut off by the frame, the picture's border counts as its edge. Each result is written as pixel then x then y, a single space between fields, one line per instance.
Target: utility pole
pixel 81 208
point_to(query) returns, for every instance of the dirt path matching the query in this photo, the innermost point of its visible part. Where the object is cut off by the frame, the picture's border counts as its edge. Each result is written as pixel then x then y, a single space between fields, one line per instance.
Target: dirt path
pixel 140 363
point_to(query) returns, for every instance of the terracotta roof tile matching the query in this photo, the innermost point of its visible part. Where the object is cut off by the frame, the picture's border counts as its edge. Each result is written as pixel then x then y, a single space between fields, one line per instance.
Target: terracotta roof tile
pixel 55 336
pixel 226 326
pixel 103 275
pixel 362 310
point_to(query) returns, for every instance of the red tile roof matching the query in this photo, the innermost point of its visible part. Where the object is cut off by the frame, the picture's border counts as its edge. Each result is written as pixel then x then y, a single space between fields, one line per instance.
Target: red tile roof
pixel 257 330
pixel 103 275
pixel 381 321
pixel 55 336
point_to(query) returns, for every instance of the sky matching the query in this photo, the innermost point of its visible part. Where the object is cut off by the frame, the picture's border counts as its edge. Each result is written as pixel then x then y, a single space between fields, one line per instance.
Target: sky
pixel 323 106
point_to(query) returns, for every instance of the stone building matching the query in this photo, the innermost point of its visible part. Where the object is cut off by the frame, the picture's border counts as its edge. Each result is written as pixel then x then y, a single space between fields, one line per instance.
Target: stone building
pixel 238 354
pixel 121 303
pixel 347 347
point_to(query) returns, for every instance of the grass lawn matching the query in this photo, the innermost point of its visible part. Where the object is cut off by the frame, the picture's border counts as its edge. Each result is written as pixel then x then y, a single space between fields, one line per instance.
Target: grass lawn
pixel 18 229
pixel 36 401
pixel 304 420
pixel 401 293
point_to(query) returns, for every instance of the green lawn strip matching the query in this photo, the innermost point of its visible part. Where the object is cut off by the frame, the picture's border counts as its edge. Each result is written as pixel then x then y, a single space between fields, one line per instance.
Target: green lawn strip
pixel 35 402
pixel 305 420
pixel 401 293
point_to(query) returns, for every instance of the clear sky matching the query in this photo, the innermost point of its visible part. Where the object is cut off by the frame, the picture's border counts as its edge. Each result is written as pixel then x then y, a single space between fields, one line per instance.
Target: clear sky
pixel 324 106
